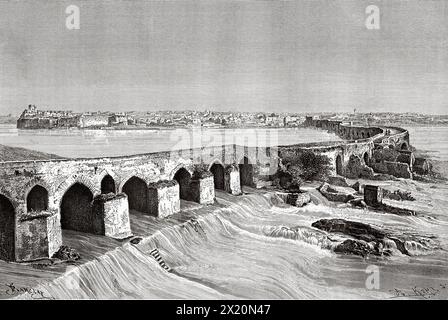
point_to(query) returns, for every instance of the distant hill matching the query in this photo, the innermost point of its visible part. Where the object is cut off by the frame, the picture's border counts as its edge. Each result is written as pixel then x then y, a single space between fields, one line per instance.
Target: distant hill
pixel 22 154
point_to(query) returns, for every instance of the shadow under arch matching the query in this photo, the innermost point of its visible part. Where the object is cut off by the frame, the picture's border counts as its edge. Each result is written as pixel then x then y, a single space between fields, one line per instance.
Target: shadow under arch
pixel 339 165
pixel 136 190
pixel 183 177
pixel 217 169
pixel 77 212
pixel 366 158
pixel 246 170
pixel 37 199
pixel 108 184
pixel 404 146
pixel 7 229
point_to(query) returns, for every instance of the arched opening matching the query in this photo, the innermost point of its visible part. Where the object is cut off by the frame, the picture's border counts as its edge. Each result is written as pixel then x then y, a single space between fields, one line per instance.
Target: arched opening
pixel 137 192
pixel 404 146
pixel 76 209
pixel 7 229
pixel 339 165
pixel 362 135
pixel 37 199
pixel 246 172
pixel 366 158
pixel 107 185
pixel 183 177
pixel 218 175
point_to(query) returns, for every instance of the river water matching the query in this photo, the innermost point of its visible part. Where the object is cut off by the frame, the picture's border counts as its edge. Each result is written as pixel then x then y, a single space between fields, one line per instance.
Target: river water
pixel 100 143
pixel 256 247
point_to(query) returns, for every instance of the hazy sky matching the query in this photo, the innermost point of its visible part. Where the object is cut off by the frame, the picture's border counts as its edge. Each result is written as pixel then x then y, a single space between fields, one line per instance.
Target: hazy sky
pixel 293 56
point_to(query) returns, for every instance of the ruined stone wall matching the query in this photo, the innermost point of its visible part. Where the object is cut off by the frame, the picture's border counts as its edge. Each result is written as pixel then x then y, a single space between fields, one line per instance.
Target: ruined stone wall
pixel 345 131
pixel 397 169
pixel 343 150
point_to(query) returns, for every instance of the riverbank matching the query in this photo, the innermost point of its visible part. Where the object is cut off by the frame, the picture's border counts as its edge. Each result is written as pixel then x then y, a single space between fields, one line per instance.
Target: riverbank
pixel 21 154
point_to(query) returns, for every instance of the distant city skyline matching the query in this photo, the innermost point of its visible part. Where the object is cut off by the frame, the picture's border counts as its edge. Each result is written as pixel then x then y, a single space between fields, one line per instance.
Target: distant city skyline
pixel 298 56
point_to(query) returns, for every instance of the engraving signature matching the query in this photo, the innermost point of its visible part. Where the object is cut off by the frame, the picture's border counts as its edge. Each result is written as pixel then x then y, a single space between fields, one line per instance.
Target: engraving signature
pixel 420 292
pixel 35 294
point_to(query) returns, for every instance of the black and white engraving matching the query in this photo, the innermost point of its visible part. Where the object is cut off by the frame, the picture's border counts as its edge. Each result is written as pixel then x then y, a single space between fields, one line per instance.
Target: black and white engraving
pixel 223 150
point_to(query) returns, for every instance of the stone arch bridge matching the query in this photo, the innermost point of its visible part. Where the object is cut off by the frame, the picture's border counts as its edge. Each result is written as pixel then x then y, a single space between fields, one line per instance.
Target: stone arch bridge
pixel 96 195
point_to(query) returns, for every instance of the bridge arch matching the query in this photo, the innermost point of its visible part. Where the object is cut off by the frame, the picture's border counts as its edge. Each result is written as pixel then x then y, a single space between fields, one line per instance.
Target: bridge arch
pixel 37 199
pixel 246 169
pixel 64 186
pixel 217 169
pixel 404 146
pixel 76 209
pixel 103 174
pixel 7 229
pixel 183 177
pixel 339 165
pixel 137 192
pixel 108 184
pixel 366 158
pixel 177 168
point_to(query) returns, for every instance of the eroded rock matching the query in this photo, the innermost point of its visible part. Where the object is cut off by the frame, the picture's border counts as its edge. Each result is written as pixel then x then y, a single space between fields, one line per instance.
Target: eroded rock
pixel 365 238
pixel 337 193
pixel 355 229
pixel 67 254
pixel 337 181
pixel 298 199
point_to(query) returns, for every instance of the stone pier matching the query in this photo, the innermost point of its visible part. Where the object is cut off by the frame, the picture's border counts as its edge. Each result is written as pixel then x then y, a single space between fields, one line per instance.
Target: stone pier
pixel 112 211
pixel 202 188
pixel 232 180
pixel 373 195
pixel 164 198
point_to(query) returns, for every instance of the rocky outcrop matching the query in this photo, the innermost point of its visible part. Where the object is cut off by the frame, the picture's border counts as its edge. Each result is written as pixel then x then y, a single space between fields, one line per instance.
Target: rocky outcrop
pixel 337 193
pixel 398 195
pixel 422 166
pixel 395 210
pixel 136 240
pixel 384 177
pixel 337 181
pixel 365 239
pixel 298 199
pixel 355 229
pixel 66 253
pixel 358 202
pixel 356 247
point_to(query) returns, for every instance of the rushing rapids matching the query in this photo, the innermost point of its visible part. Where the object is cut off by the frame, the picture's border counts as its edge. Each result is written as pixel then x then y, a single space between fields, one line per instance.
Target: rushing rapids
pixel 258 247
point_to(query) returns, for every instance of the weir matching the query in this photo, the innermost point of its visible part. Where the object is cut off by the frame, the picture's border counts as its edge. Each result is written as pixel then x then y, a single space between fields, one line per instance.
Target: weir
pixel 96 195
